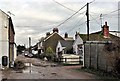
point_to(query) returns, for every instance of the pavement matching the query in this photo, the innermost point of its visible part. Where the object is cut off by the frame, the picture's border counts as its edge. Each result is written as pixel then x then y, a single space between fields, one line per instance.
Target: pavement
pixel 38 69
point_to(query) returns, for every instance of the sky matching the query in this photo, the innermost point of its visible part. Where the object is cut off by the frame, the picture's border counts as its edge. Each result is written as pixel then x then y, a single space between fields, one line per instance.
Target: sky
pixel 33 18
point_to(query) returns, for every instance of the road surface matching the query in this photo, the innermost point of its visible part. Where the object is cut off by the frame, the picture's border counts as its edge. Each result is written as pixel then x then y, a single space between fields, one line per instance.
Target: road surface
pixel 45 70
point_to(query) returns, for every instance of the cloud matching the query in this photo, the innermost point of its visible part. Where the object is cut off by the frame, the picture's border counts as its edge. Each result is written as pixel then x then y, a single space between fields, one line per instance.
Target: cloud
pixel 36 17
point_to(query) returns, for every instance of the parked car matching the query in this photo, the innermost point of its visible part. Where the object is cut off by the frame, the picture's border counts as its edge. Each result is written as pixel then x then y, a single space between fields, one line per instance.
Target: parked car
pixel 26 53
pixel 30 55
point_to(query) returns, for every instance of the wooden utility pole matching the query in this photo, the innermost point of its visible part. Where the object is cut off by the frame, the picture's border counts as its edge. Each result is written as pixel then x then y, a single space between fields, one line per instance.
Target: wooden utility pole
pixel 29 44
pixel 101 19
pixel 87 14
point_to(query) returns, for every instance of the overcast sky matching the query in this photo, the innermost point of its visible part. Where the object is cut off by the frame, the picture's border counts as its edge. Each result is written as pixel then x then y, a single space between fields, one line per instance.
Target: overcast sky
pixel 33 18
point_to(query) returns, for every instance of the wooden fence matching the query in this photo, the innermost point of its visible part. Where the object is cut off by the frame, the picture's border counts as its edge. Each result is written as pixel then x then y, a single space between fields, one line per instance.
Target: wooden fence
pixel 70 61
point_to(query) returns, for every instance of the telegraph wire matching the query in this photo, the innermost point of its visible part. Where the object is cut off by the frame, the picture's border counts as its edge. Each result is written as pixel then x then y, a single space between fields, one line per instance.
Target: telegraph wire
pixel 64 6
pixel 70 16
pixel 74 27
pixel 95 20
pixel 111 12
pixel 77 26
pixel 77 23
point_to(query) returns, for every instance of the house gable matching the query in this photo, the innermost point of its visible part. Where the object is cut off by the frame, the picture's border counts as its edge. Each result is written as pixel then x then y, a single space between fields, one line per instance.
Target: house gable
pixel 59 46
pixel 52 41
pixel 52 35
pixel 78 40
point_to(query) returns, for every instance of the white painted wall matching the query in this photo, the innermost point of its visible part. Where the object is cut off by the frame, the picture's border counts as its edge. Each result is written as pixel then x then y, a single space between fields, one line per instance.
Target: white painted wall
pixel 0 38
pixel 77 42
pixel 59 46
pixel 4 42
pixel 15 52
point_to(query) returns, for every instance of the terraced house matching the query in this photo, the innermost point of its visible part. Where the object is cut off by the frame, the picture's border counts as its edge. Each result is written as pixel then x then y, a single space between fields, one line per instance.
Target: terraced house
pixel 55 41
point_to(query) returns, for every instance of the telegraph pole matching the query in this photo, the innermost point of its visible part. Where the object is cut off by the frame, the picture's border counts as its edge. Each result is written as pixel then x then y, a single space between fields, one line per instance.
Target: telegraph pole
pixel 29 45
pixel 87 14
pixel 101 19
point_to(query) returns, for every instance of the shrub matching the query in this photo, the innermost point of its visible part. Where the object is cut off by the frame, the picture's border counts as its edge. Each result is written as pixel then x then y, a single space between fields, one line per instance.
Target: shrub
pixel 19 65
pixel 117 65
pixel 50 54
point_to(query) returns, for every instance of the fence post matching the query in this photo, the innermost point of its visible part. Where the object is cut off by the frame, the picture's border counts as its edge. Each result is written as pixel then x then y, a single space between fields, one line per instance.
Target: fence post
pixel 65 60
pixel 90 55
pixel 79 59
pixel 97 54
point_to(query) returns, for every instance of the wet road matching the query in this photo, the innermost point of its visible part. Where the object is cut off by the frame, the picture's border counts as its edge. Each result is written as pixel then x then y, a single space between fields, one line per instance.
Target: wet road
pixel 45 70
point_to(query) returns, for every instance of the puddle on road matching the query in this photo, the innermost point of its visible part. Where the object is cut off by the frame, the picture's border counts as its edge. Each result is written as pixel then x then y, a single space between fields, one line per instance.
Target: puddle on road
pixel 28 64
pixel 29 71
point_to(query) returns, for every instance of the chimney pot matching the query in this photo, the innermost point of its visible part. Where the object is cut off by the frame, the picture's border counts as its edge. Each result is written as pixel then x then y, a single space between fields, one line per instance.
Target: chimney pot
pixel 106 30
pixel 105 23
pixel 47 34
pixel 76 34
pixel 66 35
pixel 55 30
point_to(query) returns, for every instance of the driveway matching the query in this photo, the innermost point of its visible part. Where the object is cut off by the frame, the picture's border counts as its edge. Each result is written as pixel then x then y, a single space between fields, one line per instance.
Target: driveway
pixel 44 70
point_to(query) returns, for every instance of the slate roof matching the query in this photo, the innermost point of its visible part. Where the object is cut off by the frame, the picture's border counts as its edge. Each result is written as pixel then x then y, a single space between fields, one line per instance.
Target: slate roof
pixel 97 36
pixel 46 38
pixel 69 38
pixel 67 43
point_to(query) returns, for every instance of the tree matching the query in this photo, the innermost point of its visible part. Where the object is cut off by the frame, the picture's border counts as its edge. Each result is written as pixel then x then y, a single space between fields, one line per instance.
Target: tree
pixel 113 54
pixel 49 53
pixel 20 48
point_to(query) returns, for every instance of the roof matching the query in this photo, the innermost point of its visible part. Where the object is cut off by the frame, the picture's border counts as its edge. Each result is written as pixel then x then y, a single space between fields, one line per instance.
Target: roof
pixel 52 35
pixel 4 13
pixel 67 43
pixel 69 38
pixel 97 36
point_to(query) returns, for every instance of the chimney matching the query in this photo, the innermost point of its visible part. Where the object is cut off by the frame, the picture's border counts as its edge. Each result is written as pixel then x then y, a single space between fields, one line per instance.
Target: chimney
pixel 106 31
pixel 55 30
pixel 66 35
pixel 47 34
pixel 76 35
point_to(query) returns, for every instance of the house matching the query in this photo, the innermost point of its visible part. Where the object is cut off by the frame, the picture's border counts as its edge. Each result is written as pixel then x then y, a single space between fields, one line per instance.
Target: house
pixel 56 42
pixel 102 35
pixel 78 47
pixel 52 39
pixel 39 46
pixel 65 46
pixel 100 47
pixel 7 43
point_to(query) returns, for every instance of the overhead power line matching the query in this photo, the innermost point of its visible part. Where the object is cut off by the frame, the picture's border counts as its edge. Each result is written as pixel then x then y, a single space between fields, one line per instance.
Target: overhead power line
pixel 76 25
pixel 111 12
pixel 71 16
pixel 64 6
pixel 103 15
pixel 95 20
